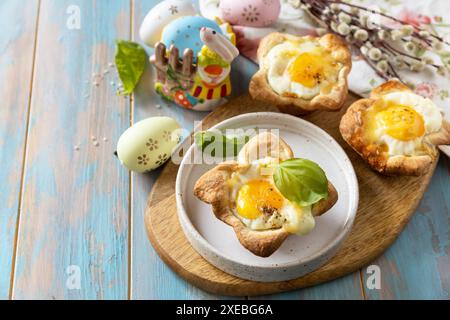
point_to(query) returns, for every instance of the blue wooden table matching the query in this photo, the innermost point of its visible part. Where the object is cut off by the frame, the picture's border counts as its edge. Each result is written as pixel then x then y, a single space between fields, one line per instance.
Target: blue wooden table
pixel 71 218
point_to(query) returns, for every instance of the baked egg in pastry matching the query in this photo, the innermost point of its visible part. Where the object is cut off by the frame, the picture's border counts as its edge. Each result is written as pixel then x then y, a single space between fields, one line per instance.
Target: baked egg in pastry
pixel 243 194
pixel 396 131
pixel 302 74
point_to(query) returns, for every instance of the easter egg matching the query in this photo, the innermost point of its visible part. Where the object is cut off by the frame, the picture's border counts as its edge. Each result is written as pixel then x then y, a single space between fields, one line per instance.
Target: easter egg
pixel 251 13
pixel 184 33
pixel 148 144
pixel 160 16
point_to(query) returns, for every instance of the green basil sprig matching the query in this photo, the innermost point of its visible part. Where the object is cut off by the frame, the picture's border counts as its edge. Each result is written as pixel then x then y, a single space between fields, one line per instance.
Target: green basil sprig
pixel 301 181
pixel 130 63
pixel 219 144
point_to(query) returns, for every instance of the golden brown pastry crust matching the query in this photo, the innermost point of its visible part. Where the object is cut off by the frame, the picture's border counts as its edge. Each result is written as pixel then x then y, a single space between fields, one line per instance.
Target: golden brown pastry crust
pixel 333 101
pixel 265 145
pixel 213 189
pixel 351 128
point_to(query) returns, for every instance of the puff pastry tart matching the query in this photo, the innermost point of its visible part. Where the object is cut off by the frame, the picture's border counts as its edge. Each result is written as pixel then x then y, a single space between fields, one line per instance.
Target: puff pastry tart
pixel 243 194
pixel 395 130
pixel 302 74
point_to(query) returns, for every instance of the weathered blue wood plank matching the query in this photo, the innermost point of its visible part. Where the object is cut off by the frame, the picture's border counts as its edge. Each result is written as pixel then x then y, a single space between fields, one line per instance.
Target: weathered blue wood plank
pixel 17 39
pixel 75 202
pixel 345 288
pixel 417 265
pixel 151 278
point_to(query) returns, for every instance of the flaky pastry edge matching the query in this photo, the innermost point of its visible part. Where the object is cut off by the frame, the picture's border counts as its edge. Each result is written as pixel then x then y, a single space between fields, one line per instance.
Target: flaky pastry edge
pixel 260 88
pixel 212 188
pixel 351 128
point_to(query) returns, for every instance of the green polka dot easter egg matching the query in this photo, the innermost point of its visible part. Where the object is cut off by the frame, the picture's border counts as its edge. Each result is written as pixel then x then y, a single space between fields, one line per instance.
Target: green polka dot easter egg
pixel 148 144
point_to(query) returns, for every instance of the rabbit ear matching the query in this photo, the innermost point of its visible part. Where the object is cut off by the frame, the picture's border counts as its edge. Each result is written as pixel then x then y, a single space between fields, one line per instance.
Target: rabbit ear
pixel 230 50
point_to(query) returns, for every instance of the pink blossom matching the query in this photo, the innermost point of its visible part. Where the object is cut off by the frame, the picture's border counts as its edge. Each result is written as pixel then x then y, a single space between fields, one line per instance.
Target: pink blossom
pixel 426 89
pixel 413 18
pixel 407 16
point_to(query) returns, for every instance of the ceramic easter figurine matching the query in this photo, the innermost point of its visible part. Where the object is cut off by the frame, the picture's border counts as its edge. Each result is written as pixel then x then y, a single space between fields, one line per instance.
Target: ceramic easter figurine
pixel 192 59
pixel 200 86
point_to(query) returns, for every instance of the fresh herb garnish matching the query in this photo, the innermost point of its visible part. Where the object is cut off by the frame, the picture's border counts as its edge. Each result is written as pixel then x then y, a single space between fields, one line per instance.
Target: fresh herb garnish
pixel 130 62
pixel 218 144
pixel 301 181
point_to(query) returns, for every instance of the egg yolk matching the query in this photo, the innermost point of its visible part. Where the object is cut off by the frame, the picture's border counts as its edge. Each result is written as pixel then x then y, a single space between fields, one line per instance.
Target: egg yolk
pixel 401 122
pixel 307 69
pixel 257 196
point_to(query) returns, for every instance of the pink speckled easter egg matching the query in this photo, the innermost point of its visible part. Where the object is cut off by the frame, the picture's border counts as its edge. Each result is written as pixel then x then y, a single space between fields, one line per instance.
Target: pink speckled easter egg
pixel 252 13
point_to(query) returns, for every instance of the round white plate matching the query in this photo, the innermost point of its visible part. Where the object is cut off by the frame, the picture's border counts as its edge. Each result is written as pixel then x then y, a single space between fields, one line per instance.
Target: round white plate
pixel 217 242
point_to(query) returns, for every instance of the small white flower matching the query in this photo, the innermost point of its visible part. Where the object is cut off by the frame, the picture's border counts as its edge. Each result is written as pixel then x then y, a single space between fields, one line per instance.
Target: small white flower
pixel 305 6
pixel 361 35
pixel 345 18
pixel 374 54
pixel 428 60
pixel 382 65
pixel 354 11
pixel 396 35
pixel 398 59
pixel 363 19
pixel 334 7
pixel 383 34
pixel 333 26
pixel 321 31
pixel 368 44
pixel 410 46
pixel 370 24
pixel 424 34
pixel 437 45
pixel 364 50
pixel 294 3
pixel 399 62
pixel 343 29
pixel 420 46
pixel 349 38
pixel 417 66
pixel 407 30
pixel 442 71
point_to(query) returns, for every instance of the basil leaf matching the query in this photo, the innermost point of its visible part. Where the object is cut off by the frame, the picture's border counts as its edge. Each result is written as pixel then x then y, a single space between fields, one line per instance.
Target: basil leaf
pixel 219 144
pixel 301 181
pixel 130 63
pixel 203 139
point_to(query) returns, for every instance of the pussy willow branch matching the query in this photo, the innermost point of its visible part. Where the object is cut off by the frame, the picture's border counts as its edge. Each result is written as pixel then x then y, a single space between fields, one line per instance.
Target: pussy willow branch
pixel 381 14
pixel 327 13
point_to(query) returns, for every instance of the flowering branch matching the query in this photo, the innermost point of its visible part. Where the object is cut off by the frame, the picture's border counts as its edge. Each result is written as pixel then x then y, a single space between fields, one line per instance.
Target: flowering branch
pixel 386 49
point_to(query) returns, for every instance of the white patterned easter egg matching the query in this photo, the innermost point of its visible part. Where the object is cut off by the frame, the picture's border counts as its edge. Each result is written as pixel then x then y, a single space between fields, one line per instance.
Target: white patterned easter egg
pixel 161 15
pixel 148 143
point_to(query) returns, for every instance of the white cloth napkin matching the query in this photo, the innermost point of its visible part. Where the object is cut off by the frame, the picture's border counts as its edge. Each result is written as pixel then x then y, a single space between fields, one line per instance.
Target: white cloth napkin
pixel 432 14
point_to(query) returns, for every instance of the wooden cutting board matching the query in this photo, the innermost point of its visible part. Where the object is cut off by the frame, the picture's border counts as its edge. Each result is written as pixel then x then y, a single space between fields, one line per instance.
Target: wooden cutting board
pixel 385 206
